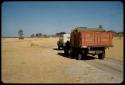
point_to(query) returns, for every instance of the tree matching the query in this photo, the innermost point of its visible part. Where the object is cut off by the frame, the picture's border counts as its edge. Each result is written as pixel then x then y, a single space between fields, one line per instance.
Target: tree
pixel 37 35
pixel 60 33
pixel 100 26
pixel 20 33
pixel 40 34
pixel 32 35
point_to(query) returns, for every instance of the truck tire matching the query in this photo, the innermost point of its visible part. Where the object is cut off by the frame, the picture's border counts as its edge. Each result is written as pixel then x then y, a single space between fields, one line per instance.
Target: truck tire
pixel 69 51
pixel 101 55
pixel 79 56
pixel 65 52
pixel 58 47
pixel 72 53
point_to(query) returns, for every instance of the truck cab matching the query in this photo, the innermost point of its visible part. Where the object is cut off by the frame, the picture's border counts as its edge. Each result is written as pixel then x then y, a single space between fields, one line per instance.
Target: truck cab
pixel 62 40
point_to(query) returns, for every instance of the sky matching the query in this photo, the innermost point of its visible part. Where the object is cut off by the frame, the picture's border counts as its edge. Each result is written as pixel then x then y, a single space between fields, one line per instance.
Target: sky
pixel 50 17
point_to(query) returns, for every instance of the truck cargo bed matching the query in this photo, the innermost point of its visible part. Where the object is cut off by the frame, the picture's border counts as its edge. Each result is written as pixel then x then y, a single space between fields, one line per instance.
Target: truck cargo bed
pixel 87 38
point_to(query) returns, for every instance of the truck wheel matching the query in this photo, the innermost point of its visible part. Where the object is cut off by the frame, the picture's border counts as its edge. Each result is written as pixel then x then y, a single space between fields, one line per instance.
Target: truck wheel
pixel 84 55
pixel 69 51
pixel 101 55
pixel 58 47
pixel 79 56
pixel 65 52
pixel 72 53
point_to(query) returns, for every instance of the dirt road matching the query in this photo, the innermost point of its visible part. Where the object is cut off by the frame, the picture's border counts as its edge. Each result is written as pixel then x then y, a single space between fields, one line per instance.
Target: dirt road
pixel 32 61
pixel 110 66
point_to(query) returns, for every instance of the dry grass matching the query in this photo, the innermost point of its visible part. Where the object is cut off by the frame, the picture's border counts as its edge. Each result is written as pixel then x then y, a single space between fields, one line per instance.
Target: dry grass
pixel 36 61
pixel 117 50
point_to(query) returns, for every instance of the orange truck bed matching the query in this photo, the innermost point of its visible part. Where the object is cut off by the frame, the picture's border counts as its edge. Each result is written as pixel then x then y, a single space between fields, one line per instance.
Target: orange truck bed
pixel 92 38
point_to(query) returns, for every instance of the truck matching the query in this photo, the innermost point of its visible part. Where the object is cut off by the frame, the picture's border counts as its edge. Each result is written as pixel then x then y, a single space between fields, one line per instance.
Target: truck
pixel 62 40
pixel 84 41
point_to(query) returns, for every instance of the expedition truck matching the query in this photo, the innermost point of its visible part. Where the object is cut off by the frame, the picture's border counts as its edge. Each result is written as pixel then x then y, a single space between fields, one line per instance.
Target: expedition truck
pixel 62 40
pixel 85 41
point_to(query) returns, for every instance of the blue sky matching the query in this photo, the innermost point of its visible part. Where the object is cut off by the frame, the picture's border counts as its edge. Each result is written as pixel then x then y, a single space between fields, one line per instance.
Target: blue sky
pixel 50 17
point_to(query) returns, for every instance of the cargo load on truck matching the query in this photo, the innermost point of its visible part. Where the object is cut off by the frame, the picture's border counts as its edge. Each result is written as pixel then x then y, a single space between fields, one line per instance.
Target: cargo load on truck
pixel 83 40
pixel 79 29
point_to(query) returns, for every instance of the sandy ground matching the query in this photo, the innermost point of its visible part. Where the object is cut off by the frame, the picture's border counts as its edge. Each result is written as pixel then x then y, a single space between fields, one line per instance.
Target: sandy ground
pixel 38 61
pixel 117 50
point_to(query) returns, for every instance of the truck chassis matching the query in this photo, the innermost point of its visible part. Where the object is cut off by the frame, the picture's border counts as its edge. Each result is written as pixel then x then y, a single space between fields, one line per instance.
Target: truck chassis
pixel 79 53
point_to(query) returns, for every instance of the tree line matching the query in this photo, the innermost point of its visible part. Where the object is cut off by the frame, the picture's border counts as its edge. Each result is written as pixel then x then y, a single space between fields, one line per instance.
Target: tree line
pixel 45 35
pixel 38 35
